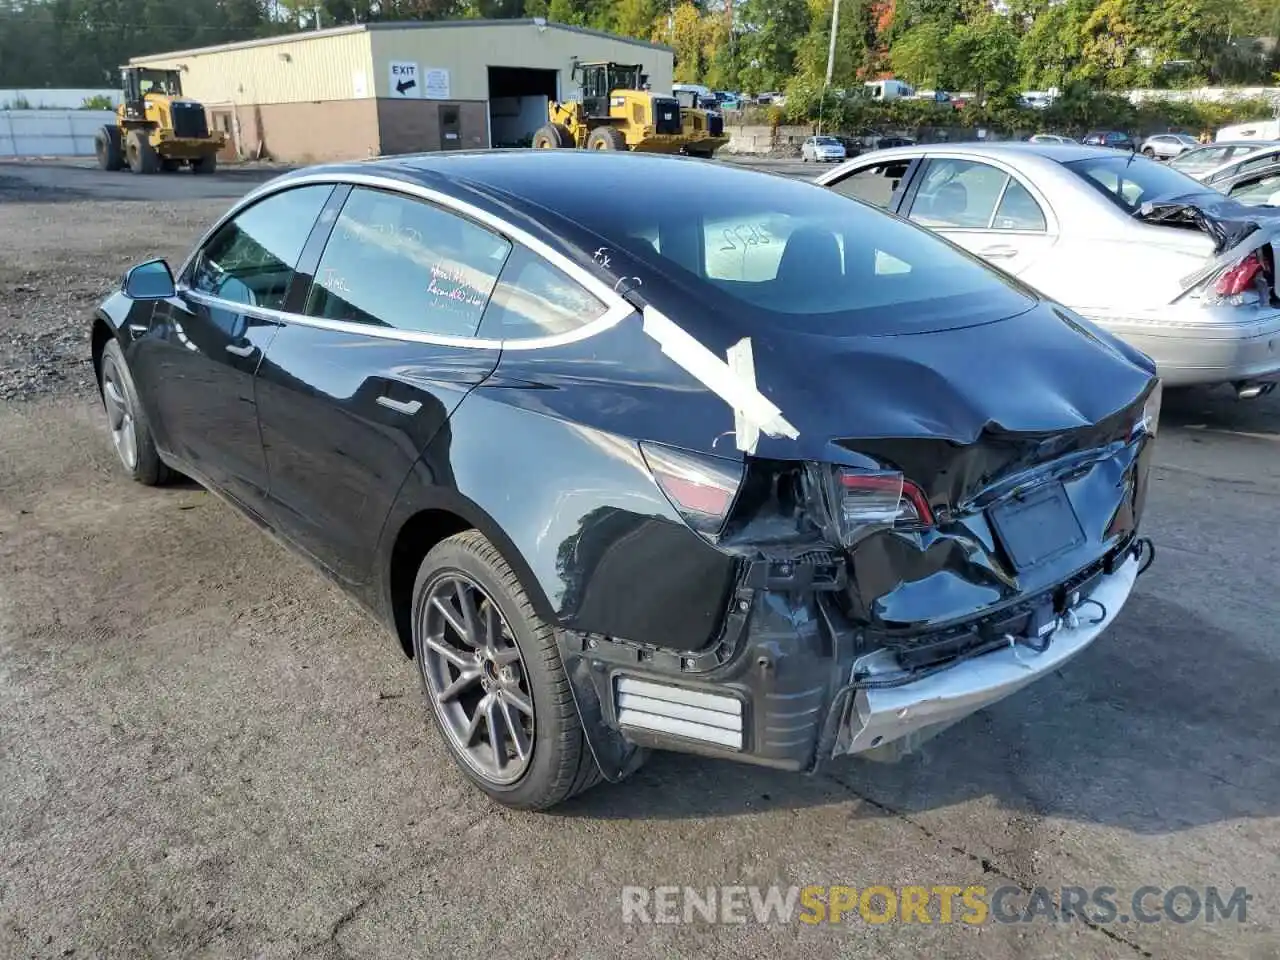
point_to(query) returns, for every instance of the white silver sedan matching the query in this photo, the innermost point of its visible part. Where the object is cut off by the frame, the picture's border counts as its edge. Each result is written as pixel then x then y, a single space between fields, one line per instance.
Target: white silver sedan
pixel 1162 261
pixel 822 149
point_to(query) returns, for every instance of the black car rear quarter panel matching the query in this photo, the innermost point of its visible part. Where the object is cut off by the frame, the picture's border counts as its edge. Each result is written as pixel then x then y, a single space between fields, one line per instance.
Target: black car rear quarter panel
pixel 543 458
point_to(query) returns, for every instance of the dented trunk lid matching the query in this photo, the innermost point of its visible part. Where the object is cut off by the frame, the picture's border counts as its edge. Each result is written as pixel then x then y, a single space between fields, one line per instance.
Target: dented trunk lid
pixel 1018 429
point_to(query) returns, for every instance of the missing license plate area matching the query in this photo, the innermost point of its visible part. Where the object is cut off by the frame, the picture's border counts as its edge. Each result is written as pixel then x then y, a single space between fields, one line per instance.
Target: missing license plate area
pixel 1037 527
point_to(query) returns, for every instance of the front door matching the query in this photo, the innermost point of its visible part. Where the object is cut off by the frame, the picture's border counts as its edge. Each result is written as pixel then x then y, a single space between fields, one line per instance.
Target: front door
pixel 450 127
pixel 377 353
pixel 985 210
pixel 199 357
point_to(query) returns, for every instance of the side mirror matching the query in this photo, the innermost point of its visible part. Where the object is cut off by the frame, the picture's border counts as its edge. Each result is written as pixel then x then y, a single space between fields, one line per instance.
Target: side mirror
pixel 152 280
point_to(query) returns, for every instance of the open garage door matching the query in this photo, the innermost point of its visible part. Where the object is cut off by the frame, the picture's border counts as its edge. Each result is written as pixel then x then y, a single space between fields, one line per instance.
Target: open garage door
pixel 518 104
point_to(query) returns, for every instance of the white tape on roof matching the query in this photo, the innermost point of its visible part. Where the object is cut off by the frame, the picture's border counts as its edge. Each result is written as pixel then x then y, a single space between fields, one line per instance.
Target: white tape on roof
pixel 734 381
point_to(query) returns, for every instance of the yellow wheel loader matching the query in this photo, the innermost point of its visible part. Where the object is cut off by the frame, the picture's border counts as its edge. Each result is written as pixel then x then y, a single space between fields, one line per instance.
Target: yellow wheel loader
pixel 157 128
pixel 616 112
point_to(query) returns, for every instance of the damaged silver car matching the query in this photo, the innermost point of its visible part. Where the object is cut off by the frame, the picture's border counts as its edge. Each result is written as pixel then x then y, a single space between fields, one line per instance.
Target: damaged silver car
pixel 1166 263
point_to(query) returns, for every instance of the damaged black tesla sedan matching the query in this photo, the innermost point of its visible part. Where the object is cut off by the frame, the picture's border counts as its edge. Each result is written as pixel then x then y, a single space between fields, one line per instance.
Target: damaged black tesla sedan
pixel 639 453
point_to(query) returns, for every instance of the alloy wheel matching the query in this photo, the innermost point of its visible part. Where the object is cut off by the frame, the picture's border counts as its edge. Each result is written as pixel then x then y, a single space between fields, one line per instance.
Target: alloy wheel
pixel 120 417
pixel 476 678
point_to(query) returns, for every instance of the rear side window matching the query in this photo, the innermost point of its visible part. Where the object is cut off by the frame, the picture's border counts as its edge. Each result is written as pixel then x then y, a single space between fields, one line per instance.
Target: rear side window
pixel 399 262
pixel 535 299
pixel 876 185
pixel 959 194
pixel 1019 210
pixel 250 259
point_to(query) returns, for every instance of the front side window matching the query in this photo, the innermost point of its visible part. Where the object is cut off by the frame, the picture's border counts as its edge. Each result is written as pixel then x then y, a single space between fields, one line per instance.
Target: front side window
pixel 399 262
pixel 876 184
pixel 250 259
pixel 958 194
pixel 535 299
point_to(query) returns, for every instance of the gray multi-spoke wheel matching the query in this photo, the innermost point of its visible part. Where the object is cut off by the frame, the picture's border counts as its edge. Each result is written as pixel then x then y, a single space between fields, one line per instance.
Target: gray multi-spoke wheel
pixel 477 678
pixel 492 676
pixel 130 430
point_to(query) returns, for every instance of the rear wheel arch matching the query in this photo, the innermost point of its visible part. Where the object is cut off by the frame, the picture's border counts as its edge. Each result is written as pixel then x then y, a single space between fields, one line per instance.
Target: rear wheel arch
pixel 424 529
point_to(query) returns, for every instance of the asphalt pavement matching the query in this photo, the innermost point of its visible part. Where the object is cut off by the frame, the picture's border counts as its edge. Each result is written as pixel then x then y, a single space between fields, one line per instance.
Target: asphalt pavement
pixel 207 751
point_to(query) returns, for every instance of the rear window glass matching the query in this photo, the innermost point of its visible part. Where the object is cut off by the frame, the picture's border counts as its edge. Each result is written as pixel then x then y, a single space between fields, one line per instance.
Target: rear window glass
pixel 1130 181
pixel 797 255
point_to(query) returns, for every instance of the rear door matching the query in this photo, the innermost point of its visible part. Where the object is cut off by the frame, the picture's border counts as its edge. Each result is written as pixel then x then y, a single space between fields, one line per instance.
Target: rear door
pixel 379 349
pixel 984 208
pixel 199 356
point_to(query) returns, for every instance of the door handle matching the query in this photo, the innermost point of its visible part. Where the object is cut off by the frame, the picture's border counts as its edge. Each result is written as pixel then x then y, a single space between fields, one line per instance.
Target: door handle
pixel 246 351
pixel 407 407
pixel 998 253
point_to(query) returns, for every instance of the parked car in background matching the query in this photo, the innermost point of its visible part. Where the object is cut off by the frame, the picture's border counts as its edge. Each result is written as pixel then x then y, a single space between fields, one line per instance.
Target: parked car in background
pixel 1263 156
pixel 1115 139
pixel 822 149
pixel 1201 160
pixel 1252 130
pixel 885 143
pixel 1036 100
pixel 889 89
pixel 1149 254
pixel 724 397
pixel 1259 187
pixel 1166 146
pixel 1050 138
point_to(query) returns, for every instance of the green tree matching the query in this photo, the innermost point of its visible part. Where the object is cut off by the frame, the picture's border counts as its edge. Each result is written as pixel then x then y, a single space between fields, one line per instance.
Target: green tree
pixel 922 54
pixel 983 55
pixel 772 34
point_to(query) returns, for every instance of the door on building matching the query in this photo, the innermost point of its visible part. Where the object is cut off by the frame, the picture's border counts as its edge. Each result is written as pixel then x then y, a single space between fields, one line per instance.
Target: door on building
pixel 450 127
pixel 220 122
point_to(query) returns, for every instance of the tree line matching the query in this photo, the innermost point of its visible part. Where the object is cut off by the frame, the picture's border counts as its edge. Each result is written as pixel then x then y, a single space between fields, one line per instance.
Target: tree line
pixel 991 47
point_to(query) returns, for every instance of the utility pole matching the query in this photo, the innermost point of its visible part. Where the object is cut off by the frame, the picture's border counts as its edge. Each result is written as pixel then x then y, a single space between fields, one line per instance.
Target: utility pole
pixel 831 49
pixel 316 11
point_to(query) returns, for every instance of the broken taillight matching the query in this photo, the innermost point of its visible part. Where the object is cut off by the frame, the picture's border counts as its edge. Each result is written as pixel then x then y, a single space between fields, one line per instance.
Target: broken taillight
pixel 1239 278
pixel 701 488
pixel 859 502
pixel 885 497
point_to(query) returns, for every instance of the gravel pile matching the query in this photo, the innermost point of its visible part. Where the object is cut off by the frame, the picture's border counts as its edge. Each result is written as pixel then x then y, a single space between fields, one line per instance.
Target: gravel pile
pixel 62 253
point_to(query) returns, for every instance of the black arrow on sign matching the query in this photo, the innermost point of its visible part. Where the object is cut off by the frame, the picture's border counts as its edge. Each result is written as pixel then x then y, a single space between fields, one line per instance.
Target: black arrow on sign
pixel 404 85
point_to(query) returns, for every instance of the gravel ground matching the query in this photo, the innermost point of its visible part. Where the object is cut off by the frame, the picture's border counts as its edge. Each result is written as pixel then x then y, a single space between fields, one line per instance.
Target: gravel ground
pixel 207 751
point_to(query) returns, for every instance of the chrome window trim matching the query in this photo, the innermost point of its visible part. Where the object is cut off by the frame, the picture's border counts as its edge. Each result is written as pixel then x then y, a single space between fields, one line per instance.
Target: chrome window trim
pixel 617 307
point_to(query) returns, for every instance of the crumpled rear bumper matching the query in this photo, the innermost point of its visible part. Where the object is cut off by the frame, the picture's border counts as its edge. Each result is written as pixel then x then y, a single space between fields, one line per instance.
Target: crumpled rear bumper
pixel 905 715
pixel 792 688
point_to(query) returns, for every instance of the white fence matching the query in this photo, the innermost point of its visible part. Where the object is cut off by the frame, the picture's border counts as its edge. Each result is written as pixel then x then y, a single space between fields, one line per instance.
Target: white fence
pixel 50 133
pixel 1206 94
pixel 49 99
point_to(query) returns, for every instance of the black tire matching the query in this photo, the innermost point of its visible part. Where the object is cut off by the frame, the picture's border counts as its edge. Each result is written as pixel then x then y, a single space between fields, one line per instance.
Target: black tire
pixel 119 394
pixel 206 164
pixel 106 144
pixel 170 166
pixel 560 763
pixel 552 136
pixel 1148 152
pixel 141 154
pixel 606 138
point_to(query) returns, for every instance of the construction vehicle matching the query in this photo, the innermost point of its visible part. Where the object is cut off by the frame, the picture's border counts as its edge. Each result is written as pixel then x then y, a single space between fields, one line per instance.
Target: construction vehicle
pixel 617 112
pixel 157 128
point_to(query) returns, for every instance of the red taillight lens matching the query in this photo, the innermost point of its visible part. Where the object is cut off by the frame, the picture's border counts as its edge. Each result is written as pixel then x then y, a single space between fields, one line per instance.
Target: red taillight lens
pixel 701 488
pixel 882 498
pixel 1240 277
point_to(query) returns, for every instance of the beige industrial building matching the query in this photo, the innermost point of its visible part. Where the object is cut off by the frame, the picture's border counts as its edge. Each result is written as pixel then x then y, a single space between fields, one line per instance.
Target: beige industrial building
pixel 384 88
